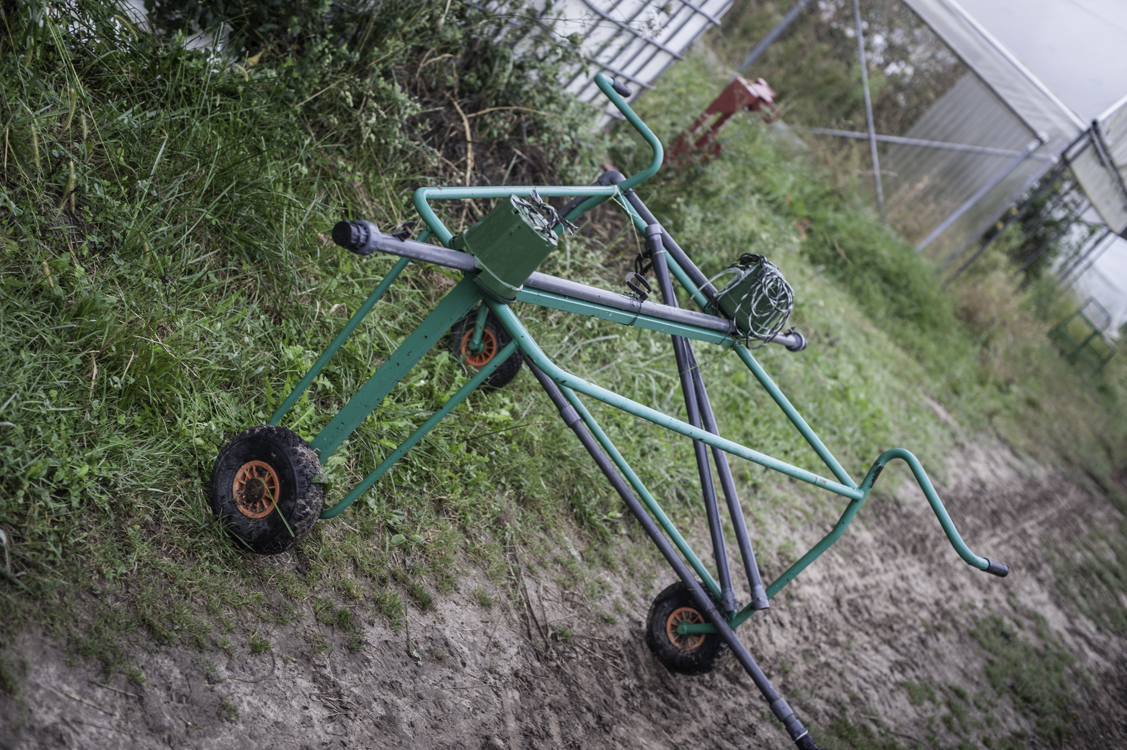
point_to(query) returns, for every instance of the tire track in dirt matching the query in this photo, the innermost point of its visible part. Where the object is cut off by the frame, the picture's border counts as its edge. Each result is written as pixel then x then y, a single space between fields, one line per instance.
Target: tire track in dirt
pixel 890 604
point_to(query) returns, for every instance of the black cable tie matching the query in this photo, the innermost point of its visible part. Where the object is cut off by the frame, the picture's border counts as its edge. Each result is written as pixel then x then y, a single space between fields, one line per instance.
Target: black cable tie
pixel 403 231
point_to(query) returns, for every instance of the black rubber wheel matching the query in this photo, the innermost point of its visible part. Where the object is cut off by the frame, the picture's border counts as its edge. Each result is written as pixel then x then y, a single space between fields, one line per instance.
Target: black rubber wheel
pixel 262 488
pixel 682 654
pixel 495 338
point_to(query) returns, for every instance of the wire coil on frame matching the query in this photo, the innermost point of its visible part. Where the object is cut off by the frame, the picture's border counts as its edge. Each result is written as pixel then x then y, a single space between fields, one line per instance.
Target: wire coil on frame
pixel 758 299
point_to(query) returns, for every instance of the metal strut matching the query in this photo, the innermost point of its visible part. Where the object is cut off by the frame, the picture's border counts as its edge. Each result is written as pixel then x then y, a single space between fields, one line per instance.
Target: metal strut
pixel 782 710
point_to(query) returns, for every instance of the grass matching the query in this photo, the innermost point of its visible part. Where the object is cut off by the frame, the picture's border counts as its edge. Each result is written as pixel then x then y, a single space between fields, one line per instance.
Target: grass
pixel 168 279
pixel 1033 670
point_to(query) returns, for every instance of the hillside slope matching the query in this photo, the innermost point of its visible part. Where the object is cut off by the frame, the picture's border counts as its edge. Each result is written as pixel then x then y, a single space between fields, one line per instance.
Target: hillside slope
pixel 168 278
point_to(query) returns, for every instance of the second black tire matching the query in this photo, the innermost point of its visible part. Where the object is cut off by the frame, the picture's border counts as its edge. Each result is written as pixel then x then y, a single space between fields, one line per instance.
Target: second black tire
pixel 494 339
pixel 683 654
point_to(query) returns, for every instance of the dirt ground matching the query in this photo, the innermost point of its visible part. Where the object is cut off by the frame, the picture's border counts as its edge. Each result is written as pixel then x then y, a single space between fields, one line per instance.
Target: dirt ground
pixel 891 604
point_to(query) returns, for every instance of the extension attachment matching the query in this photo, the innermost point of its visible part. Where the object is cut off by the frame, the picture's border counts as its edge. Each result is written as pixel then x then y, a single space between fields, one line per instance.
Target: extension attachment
pixel 354 236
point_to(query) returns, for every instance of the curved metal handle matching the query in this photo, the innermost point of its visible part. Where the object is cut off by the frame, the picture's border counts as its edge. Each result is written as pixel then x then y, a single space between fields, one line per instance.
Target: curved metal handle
pixel 608 87
pixel 982 563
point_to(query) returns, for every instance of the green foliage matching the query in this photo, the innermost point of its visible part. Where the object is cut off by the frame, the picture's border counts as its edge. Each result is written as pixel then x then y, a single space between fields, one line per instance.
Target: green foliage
pixel 167 280
pixel 919 692
pixel 1035 676
pixel 814 67
pixel 842 734
pixel 9 683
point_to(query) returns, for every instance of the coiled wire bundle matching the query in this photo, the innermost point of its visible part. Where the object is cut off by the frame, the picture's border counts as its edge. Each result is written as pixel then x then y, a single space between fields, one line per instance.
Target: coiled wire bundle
pixel 757 299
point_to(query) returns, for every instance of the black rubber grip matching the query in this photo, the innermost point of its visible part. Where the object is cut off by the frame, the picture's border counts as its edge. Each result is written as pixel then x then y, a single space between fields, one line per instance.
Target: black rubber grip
pixel 799 344
pixel 622 89
pixel 352 235
pixel 806 742
pixel 997 569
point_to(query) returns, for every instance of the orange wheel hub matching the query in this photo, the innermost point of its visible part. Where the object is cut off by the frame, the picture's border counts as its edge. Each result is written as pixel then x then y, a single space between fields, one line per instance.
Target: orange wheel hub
pixel 488 348
pixel 256 489
pixel 684 642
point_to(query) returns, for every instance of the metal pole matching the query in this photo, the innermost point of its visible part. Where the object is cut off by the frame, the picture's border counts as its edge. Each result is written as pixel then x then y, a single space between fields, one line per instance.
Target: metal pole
pixel 773 35
pixel 978 195
pixel 1109 165
pixel 1044 182
pixel 1093 254
pixel 1017 214
pixel 918 142
pixel 1080 250
pixel 1045 246
pixel 868 106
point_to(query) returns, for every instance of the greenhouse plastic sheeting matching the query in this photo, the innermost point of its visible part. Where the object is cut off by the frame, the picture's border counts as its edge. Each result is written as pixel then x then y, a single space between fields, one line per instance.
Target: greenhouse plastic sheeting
pixel 1000 105
pixel 1104 182
pixel 926 185
pixel 632 40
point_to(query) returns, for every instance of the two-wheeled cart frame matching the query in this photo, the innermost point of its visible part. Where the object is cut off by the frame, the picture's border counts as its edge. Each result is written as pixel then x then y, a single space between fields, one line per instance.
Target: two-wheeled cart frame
pixel 264 481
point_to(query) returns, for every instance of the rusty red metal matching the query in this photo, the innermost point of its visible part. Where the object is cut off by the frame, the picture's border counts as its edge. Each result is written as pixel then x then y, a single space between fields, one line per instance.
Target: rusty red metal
pixel 739 95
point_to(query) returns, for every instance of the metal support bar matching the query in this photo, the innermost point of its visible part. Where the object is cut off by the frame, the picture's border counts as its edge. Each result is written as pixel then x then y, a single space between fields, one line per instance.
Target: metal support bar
pixel 868 105
pixel 453 306
pixel 1046 182
pixel 643 492
pixel 1045 186
pixel 688 376
pixel 422 431
pixel 1105 159
pixel 773 35
pixel 1093 255
pixel 705 604
pixel 1073 212
pixel 631 30
pixel 1048 243
pixel 990 185
pixel 727 485
pixel 350 326
pixel 943 145
pixel 795 418
pixel 476 344
pixel 527 345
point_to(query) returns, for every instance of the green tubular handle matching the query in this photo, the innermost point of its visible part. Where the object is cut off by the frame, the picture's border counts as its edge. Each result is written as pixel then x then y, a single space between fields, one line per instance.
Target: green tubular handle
pixel 424 195
pixel 607 87
pixel 982 563
pixel 598 193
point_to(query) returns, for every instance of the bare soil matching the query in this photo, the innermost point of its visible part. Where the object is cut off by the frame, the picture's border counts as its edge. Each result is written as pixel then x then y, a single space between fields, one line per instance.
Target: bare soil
pixel 891 604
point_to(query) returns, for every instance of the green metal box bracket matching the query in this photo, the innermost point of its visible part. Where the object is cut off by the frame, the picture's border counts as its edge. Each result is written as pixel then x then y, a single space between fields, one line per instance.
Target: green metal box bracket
pixel 508 245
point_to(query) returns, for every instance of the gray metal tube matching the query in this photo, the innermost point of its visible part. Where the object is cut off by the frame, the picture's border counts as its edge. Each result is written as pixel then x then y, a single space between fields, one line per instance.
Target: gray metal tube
pixel 1003 174
pixel 773 35
pixel 899 140
pixel 868 106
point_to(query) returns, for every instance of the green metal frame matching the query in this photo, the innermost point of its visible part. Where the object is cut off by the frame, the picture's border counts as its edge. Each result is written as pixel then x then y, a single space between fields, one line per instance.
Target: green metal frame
pixel 466 295
pixel 1085 351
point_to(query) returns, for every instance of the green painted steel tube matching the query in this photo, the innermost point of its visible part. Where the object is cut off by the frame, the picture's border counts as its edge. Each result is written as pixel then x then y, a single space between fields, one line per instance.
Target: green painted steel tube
pixel 623 317
pixel 454 305
pixel 643 492
pixel 839 528
pixel 685 281
pixel 424 195
pixel 769 385
pixel 607 88
pixel 793 415
pixel 566 379
pixel 420 433
pixel 476 344
pixel 349 327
